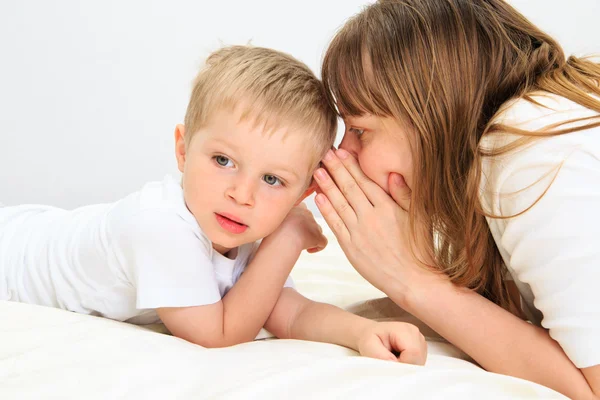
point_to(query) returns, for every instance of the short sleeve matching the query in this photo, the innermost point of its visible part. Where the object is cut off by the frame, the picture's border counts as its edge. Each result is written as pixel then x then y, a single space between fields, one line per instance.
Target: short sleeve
pixel 289 282
pixel 555 247
pixel 168 260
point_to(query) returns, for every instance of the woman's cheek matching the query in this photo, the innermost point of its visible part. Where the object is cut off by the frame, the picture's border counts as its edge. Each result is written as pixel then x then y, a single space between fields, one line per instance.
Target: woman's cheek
pixel 374 170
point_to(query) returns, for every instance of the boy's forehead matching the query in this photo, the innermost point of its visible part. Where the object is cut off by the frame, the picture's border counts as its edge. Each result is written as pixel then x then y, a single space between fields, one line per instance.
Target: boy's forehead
pixel 258 117
pixel 283 147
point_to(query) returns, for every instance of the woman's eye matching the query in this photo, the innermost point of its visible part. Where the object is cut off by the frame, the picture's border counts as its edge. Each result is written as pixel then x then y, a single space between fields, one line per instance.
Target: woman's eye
pixel 357 131
pixel 272 180
pixel 223 161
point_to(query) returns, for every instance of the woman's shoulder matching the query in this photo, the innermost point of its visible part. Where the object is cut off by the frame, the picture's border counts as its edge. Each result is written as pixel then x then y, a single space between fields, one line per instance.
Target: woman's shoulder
pixel 534 164
pixel 539 110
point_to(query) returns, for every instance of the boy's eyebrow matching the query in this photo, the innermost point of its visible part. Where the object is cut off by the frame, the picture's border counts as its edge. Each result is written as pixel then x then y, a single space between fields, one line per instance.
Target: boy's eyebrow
pixel 225 142
pixel 288 170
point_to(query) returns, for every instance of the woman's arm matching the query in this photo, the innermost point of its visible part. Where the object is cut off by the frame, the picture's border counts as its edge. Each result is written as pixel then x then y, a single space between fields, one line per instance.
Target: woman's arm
pixel 496 339
pixel 374 232
pixel 296 317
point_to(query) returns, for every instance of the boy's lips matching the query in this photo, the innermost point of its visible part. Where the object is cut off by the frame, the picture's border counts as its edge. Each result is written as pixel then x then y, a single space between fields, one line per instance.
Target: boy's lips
pixel 231 223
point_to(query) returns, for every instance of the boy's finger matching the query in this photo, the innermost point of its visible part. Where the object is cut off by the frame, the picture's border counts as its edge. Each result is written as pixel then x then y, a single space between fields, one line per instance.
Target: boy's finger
pixel 413 349
pixel 321 244
pixel 374 348
pixel 413 356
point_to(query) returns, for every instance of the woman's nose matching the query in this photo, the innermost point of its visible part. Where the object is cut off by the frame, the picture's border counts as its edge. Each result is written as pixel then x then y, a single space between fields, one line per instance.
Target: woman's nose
pixel 351 144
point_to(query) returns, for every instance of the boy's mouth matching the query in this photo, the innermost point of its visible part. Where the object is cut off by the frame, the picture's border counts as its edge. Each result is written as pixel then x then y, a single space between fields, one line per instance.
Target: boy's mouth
pixel 231 223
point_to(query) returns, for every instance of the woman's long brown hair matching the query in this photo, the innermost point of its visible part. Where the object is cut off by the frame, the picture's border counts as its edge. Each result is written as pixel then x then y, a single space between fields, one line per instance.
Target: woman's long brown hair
pixel 445 67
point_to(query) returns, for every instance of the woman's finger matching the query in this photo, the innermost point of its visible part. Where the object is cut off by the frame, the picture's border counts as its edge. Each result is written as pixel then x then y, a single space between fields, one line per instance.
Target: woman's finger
pixel 374 193
pixel 332 218
pixel 346 183
pixel 341 206
pixel 399 190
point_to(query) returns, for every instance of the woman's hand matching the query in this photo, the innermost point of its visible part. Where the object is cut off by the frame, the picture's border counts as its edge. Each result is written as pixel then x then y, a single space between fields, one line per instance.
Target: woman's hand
pixel 373 228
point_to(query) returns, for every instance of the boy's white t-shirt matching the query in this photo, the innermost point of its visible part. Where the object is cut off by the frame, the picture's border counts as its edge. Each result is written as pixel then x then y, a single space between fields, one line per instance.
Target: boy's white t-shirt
pixel 120 260
pixel 552 251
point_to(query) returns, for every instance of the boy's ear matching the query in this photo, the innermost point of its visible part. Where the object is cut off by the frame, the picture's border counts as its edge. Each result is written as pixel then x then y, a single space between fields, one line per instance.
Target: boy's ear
pixel 180 146
pixel 309 190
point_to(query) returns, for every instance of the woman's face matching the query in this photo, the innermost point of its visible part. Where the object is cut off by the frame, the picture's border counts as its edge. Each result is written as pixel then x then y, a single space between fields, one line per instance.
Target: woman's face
pixel 381 146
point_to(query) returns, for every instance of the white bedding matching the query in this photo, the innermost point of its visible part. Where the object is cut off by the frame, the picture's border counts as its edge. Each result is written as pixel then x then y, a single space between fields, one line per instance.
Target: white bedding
pixel 47 353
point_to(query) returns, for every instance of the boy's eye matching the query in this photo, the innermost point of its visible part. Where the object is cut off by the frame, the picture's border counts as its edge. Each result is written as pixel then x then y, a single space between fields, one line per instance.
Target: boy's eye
pixel 223 161
pixel 272 180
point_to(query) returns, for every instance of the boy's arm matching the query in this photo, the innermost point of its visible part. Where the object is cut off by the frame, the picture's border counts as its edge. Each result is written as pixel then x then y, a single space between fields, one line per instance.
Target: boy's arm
pixel 239 316
pixel 296 317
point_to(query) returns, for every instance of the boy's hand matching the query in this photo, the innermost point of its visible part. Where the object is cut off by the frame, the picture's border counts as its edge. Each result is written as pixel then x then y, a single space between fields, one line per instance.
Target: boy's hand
pixel 300 227
pixel 383 339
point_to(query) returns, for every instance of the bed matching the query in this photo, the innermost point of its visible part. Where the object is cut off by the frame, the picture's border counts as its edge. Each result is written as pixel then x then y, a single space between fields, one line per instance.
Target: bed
pixel 53 354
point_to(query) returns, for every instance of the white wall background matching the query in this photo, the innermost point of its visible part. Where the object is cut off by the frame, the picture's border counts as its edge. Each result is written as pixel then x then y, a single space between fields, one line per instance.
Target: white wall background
pixel 90 91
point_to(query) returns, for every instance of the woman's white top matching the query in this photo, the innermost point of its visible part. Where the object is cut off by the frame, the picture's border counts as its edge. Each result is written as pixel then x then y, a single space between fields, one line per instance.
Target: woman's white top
pixel 552 251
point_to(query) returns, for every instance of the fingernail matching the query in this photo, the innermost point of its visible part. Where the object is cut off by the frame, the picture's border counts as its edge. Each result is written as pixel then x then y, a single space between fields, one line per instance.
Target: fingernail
pixel 320 174
pixel 342 153
pixel 328 156
pixel 320 199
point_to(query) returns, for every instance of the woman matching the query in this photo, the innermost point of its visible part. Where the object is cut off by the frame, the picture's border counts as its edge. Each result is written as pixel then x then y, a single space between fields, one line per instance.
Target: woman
pixel 467 185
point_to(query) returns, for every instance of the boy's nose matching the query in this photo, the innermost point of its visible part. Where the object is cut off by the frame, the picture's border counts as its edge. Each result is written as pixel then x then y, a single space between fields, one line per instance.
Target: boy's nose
pixel 242 192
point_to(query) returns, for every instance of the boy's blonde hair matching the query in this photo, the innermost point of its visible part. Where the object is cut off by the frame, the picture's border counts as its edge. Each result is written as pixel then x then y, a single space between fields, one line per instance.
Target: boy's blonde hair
pixel 273 88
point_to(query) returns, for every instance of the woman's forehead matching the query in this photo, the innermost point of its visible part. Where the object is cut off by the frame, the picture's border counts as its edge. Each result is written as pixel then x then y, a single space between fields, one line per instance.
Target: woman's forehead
pixel 364 118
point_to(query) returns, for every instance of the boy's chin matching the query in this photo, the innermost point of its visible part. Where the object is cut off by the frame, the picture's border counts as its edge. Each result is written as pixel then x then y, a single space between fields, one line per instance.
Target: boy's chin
pixel 229 242
pixel 224 240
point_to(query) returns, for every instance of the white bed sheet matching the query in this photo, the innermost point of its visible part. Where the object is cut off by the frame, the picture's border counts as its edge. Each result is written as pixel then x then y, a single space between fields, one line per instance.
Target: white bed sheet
pixel 52 354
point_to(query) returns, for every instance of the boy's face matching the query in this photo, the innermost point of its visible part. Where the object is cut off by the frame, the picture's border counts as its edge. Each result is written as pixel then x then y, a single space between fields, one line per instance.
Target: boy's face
pixel 239 182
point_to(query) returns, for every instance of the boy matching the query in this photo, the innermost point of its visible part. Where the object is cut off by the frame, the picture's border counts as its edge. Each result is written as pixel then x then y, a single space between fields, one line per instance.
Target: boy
pixel 256 127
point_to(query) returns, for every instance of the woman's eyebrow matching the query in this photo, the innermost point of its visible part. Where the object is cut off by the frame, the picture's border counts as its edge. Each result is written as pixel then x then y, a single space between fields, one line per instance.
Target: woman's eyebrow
pixel 359 120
